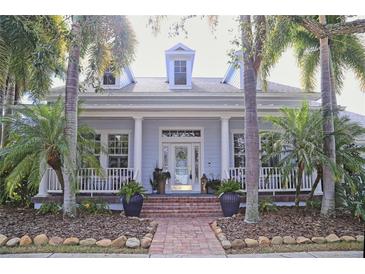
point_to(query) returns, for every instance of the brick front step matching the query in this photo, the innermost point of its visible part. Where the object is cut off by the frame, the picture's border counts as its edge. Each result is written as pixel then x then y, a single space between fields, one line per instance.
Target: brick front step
pixel 181 206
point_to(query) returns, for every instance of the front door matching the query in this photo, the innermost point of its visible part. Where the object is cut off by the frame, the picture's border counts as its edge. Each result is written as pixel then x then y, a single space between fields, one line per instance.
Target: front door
pixel 184 167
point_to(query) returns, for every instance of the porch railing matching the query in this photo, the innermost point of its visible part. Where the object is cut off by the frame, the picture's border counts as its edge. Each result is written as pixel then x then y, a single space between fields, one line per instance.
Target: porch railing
pixel 90 181
pixel 272 180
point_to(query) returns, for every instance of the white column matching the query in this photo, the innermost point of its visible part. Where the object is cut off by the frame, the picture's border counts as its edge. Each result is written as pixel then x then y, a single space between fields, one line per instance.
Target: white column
pixel 224 147
pixel 138 149
pixel 43 185
pixel 104 156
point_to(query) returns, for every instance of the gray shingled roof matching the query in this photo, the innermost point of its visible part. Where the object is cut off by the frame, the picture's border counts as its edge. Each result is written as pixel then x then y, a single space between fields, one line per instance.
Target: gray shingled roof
pixel 199 84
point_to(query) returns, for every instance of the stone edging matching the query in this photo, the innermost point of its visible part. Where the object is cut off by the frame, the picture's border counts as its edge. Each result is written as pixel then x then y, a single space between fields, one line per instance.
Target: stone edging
pixel 277 240
pixel 120 242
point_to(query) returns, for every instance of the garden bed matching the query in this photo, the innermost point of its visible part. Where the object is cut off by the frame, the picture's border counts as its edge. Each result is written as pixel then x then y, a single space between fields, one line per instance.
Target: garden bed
pixel 16 222
pixel 288 221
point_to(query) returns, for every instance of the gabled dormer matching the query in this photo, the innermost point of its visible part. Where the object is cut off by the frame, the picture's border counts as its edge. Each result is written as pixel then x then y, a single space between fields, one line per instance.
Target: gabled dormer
pixel 179 66
pixel 112 81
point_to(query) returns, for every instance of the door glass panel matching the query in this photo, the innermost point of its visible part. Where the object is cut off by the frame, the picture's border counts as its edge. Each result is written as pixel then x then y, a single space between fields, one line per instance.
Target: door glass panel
pixel 181 165
pixel 165 157
pixel 196 163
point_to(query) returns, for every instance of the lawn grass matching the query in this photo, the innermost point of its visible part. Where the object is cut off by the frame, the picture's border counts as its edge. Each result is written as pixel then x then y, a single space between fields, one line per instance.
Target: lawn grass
pixel 341 246
pixel 69 249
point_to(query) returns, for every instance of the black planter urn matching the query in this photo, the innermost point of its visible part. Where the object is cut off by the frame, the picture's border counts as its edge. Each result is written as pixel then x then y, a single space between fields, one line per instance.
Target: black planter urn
pixel 134 207
pixel 230 203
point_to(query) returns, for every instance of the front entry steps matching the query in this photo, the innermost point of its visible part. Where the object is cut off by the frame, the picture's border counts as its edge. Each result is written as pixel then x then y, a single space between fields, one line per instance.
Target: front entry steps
pixel 159 206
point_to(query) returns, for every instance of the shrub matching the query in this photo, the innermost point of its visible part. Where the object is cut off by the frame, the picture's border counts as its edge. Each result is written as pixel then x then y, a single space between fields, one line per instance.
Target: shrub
pixel 229 186
pixel 267 205
pixel 213 184
pixel 351 196
pixel 313 204
pixel 93 206
pixel 49 208
pixel 131 189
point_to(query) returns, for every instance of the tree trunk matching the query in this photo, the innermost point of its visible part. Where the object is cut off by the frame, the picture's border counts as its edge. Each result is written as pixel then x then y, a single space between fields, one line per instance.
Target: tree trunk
pixel 299 183
pixel 252 162
pixel 316 182
pixel 7 110
pixel 328 201
pixel 333 87
pixel 71 98
pixel 60 178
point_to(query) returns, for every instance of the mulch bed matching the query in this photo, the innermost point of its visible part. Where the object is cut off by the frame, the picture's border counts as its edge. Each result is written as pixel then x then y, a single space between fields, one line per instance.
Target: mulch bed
pixel 16 222
pixel 288 221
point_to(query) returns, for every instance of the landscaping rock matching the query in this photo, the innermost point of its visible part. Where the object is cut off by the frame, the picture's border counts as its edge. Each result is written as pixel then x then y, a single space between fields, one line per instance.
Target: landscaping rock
pixel 221 236
pixel 3 239
pixel 303 240
pixel 119 242
pixel 146 242
pixel 55 241
pixel 25 240
pixel 238 244
pixel 264 241
pixel 332 238
pixel 319 240
pixel 226 244
pixel 154 225
pixel 214 224
pixel 218 230
pixel 148 235
pixel 347 238
pixel 13 242
pixel 288 240
pixel 104 243
pixel 71 241
pixel 87 242
pixel 360 238
pixel 132 243
pixel 251 242
pixel 41 239
pixel 277 240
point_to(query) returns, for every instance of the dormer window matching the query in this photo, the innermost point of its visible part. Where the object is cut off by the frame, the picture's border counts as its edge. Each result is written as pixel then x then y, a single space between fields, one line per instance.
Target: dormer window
pixel 108 78
pixel 180 72
pixel 179 67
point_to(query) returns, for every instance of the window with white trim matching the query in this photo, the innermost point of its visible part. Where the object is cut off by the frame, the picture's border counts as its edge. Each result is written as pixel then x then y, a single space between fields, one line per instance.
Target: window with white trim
pixel 108 78
pixel 180 72
pixel 239 150
pixel 118 150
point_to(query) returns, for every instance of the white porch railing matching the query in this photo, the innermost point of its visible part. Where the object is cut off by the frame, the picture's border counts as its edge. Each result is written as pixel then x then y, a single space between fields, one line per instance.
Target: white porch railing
pixel 272 180
pixel 89 181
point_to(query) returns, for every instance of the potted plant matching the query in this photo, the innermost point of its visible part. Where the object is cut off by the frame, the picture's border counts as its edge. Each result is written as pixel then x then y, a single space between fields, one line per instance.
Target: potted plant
pixel 229 196
pixel 160 177
pixel 154 185
pixel 213 185
pixel 132 198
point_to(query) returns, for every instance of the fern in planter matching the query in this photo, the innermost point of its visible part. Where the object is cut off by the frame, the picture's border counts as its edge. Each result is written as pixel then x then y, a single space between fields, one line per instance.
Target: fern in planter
pixel 131 189
pixel 229 196
pixel 229 186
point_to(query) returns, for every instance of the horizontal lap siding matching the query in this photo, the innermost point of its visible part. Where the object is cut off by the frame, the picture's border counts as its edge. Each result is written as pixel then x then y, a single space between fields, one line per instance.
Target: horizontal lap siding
pixel 150 144
pixel 113 124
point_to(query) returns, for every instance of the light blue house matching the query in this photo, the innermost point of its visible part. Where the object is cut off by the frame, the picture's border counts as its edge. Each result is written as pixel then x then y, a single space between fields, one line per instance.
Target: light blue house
pixel 188 126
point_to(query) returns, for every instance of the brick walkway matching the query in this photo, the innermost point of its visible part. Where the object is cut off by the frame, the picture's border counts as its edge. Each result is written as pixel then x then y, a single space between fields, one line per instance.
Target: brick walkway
pixel 184 236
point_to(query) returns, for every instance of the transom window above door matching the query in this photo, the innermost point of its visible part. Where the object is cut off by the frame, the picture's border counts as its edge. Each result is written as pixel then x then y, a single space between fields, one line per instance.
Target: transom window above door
pixel 181 133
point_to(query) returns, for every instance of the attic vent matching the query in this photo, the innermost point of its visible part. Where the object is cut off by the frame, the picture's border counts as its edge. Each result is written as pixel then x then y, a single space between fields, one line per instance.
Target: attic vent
pixel 180 48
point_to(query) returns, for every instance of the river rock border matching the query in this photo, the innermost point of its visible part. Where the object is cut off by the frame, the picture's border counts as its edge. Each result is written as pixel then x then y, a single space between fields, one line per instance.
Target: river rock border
pixel 121 242
pixel 262 241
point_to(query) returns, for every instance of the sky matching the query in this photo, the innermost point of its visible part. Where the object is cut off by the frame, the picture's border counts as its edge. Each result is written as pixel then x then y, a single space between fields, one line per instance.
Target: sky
pixel 211 57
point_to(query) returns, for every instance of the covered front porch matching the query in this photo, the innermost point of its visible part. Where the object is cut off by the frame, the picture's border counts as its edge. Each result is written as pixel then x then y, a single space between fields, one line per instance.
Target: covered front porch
pixel 109 182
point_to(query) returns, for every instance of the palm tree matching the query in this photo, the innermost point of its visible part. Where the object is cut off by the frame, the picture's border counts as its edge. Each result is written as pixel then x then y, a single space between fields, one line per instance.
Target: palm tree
pixel 330 76
pixel 252 44
pixel 297 143
pixel 107 42
pixel 31 52
pixel 36 141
